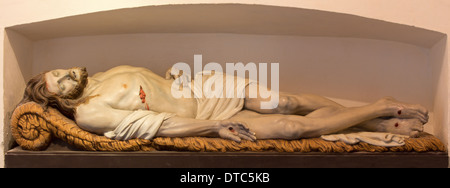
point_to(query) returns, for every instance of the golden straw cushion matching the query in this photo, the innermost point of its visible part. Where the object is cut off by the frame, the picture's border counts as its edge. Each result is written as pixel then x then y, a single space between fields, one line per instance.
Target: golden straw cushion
pixel 33 129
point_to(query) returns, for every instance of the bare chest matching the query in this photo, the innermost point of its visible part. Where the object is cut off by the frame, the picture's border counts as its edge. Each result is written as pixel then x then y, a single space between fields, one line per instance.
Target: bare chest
pixel 138 92
pixel 126 92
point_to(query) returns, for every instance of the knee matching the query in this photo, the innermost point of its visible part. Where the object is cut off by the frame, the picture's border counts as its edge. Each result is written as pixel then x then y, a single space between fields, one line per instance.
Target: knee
pixel 283 105
pixel 289 129
pixel 287 105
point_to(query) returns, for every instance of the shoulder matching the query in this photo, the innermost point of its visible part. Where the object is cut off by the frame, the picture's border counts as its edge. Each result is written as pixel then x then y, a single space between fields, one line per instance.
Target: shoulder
pixel 90 105
pixel 94 116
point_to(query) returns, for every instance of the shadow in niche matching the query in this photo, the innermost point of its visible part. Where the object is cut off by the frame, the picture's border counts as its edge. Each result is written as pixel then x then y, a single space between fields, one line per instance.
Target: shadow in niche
pixel 17 68
pixel 439 71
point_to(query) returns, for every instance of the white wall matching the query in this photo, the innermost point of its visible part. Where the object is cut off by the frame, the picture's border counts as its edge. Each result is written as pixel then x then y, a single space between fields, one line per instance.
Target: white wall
pixel 18 52
pixel 429 14
pixel 344 68
pixel 439 65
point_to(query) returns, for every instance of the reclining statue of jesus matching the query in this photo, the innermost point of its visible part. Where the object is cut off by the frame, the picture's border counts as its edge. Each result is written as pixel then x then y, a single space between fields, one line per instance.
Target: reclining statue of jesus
pixel 128 102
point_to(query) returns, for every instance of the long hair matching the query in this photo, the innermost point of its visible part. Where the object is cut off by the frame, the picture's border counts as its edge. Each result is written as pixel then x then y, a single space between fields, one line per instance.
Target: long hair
pixel 36 91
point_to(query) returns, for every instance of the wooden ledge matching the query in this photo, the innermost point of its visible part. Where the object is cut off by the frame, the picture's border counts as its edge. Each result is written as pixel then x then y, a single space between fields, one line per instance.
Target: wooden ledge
pixel 63 157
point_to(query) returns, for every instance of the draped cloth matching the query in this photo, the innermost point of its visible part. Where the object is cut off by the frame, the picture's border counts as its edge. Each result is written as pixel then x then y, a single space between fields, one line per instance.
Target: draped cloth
pixel 139 124
pixel 220 96
pixel 374 138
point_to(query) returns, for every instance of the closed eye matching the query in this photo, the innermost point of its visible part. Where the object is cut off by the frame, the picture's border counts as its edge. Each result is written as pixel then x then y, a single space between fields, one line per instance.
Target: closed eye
pixel 62 87
pixel 74 74
pixel 55 73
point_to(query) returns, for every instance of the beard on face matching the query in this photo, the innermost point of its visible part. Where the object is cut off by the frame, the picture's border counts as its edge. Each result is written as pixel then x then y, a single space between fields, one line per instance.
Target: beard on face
pixel 36 91
pixel 79 88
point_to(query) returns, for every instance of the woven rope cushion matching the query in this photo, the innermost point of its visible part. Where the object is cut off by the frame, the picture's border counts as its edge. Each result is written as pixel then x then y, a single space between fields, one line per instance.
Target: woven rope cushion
pixel 33 129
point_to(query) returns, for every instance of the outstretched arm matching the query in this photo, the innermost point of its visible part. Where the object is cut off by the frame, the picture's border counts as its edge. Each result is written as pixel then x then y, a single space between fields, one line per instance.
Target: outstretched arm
pixel 182 127
pixel 118 124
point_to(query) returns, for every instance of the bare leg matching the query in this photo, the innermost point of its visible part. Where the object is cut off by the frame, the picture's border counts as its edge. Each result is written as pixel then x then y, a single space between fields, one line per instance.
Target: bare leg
pixel 310 105
pixel 272 126
pixel 324 116
pixel 318 106
pixel 301 104
pixel 268 126
pixel 403 126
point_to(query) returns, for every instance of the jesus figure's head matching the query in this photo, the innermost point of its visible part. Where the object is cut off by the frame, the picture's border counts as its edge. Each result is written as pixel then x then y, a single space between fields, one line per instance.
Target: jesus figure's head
pixel 61 89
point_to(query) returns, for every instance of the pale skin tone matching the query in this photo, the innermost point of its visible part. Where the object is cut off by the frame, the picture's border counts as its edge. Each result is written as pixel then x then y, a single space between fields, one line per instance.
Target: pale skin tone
pixel 118 92
pixel 62 81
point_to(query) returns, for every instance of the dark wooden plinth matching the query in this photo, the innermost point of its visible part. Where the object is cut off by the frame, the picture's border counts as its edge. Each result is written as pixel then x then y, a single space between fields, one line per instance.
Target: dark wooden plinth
pixel 17 158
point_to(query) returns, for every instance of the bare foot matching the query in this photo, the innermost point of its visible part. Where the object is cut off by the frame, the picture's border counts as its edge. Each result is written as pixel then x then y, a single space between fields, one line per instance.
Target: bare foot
pixel 409 127
pixel 398 109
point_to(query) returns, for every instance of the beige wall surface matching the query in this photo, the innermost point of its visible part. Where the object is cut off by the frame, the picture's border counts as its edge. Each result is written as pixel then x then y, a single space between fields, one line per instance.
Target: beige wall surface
pixel 428 14
pixel 345 68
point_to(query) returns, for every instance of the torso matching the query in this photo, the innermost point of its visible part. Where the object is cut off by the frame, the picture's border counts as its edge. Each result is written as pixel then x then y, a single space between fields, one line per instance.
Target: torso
pixel 133 88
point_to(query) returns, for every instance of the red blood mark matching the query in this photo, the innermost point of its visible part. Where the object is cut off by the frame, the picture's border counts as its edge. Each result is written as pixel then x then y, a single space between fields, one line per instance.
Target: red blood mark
pixel 396 125
pixel 142 95
pixel 399 112
pixel 231 129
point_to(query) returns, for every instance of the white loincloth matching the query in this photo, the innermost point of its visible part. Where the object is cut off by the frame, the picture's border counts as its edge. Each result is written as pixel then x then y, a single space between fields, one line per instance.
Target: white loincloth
pixel 374 138
pixel 139 124
pixel 229 102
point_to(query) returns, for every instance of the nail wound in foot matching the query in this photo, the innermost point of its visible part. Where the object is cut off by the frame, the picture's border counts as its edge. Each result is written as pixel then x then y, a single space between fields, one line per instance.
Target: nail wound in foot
pixel 396 125
pixel 399 112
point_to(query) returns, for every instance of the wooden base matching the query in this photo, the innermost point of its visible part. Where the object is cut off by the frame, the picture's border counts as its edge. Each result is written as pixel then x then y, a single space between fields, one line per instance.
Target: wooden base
pixel 63 157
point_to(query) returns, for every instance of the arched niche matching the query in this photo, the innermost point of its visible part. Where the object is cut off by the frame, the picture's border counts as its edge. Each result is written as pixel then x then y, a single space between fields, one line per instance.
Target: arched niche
pixel 352 59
